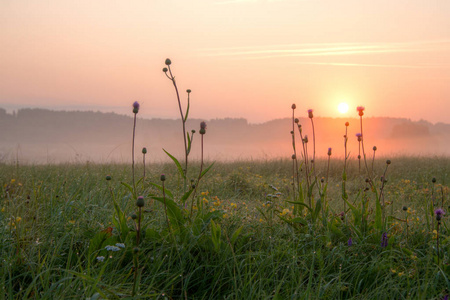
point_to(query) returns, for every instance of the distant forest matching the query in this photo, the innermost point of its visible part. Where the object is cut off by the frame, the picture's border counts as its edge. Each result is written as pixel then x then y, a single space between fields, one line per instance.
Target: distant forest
pixel 45 136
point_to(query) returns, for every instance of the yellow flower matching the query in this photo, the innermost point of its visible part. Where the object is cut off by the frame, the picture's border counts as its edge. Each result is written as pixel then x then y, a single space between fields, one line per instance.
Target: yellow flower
pixel 393 271
pixel 260 220
pixel 3 209
pixel 205 201
pixel 285 211
pixel 72 221
pixel 18 219
pixel 225 216
pixel 233 205
pixel 13 180
pixel 401 274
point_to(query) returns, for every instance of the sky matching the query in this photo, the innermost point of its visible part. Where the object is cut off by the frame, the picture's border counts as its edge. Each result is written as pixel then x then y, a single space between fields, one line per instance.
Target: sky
pixel 241 58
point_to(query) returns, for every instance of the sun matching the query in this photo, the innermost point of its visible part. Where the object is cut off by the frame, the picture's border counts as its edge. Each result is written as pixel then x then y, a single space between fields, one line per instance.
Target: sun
pixel 343 108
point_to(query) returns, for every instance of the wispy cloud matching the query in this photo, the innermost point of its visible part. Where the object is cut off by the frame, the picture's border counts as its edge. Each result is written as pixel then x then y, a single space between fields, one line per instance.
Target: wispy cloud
pixel 327 49
pixel 331 50
pixel 427 66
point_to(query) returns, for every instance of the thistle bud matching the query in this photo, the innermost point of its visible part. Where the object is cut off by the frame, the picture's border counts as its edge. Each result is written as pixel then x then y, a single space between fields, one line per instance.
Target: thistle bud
pixel 405 208
pixel 329 152
pixel 310 113
pixel 165 70
pixel 188 91
pixel 388 162
pixel 296 120
pixel 347 124
pixel 294 106
pixel 168 62
pixel 374 148
pixel 136 107
pixel 433 180
pixel 108 177
pixel 163 177
pixel 202 128
pixel 293 156
pixel 144 150
pixel 140 201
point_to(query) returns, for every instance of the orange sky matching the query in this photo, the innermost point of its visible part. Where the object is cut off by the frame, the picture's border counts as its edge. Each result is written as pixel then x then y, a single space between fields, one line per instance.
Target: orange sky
pixel 241 58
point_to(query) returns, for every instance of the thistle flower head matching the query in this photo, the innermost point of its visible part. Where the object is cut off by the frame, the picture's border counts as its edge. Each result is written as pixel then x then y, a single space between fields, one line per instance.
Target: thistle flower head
pixel 136 106
pixel 329 151
pixel 202 127
pixel 140 201
pixel 168 62
pixel 360 110
pixel 310 113
pixel 163 177
pixel 144 150
pixel 350 242
pixel 294 106
pixel 439 212
pixel 165 70
pixel 359 136
pixel 296 120
pixel 374 148
pixel 305 140
pixel 188 91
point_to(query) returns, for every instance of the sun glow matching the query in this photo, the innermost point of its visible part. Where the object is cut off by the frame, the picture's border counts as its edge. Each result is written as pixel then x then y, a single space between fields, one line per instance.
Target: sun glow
pixel 343 108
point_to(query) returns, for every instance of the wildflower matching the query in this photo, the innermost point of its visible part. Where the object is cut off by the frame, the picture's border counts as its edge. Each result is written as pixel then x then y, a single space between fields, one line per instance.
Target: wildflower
pixel 285 212
pixel 359 136
pixel 112 248
pixel 140 201
pixel 305 140
pixel 329 151
pixel 233 205
pixel 439 213
pixel 384 240
pixel 168 62
pixel 296 120
pixel 360 110
pixel 120 245
pixel 136 107
pixel 205 201
pixel 350 242
pixel 188 91
pixel 18 219
pixel 225 216
pixel 310 113
pixel 202 128
pixel 100 258
pixel 3 209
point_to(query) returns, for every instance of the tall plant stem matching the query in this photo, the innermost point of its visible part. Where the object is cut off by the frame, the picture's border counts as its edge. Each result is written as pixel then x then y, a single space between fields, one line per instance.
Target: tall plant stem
pixel 364 154
pixel 183 120
pixel 132 154
pixel 199 176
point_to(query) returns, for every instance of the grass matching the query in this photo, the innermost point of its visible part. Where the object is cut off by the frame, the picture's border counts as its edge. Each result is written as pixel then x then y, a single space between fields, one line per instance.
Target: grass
pixel 57 219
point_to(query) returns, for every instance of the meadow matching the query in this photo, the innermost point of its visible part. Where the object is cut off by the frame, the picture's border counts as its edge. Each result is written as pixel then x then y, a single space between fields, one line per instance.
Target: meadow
pixel 359 227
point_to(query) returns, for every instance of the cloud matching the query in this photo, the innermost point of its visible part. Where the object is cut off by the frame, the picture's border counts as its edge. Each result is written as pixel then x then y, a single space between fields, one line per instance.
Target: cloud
pixel 326 49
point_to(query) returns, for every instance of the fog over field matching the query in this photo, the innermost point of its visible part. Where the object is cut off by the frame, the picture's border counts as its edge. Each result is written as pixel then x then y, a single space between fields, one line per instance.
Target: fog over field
pixel 45 136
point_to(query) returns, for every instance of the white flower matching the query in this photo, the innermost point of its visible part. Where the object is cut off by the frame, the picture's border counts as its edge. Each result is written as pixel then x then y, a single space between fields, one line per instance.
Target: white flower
pixel 100 258
pixel 120 245
pixel 112 248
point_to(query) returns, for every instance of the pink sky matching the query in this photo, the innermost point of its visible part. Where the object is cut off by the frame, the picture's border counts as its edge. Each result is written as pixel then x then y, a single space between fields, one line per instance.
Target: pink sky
pixel 241 58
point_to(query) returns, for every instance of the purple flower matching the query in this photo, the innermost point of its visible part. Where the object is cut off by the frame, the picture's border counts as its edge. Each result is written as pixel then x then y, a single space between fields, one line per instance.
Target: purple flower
pixel 136 107
pixel 329 151
pixel 439 212
pixel 310 113
pixel 359 136
pixel 202 128
pixel 360 110
pixel 350 242
pixel 384 240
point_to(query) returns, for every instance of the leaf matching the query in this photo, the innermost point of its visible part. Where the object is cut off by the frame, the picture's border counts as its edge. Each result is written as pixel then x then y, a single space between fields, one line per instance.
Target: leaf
pixel 173 211
pixel 301 204
pixel 180 169
pixel 187 108
pixel 236 234
pixel 159 187
pixel 206 170
pixel 189 143
pixel 129 187
pixel 186 196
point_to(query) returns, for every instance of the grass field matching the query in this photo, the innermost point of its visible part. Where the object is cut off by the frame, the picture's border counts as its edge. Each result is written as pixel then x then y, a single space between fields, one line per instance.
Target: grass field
pixel 242 233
